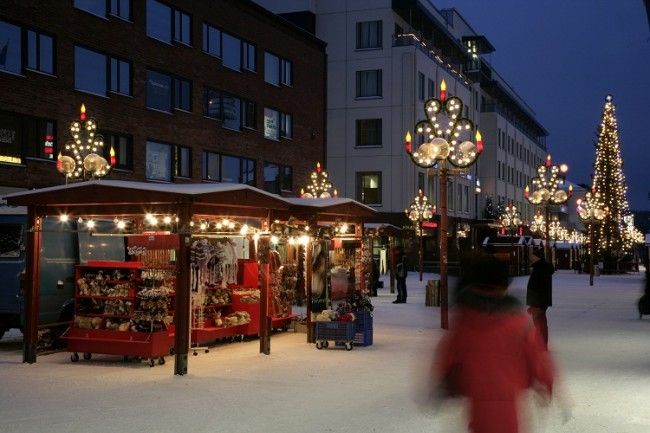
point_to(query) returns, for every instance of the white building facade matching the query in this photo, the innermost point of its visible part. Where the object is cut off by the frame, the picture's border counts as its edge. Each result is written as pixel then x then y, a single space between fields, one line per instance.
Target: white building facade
pixel 385 58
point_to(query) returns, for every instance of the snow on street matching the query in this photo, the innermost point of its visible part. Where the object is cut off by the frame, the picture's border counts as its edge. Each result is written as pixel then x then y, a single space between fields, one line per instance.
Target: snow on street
pixel 601 346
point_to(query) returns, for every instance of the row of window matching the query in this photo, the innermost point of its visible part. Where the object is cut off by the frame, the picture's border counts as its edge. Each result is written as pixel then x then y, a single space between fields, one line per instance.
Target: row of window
pixel 30 137
pixel 511 175
pixel 509 144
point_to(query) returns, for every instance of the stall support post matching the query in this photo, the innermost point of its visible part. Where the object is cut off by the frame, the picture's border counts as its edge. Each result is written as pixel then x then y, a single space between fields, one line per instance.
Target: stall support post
pixel 358 233
pixel 182 319
pixel 391 257
pixel 310 249
pixel 31 286
pixel 264 248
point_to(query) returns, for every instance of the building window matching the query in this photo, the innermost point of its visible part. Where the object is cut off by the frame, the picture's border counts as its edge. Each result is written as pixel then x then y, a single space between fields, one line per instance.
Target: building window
pixel 369 35
pixel 122 146
pixel 11 51
pixel 121 9
pixel 277 178
pixel 277 70
pixel 159 91
pixel 90 71
pixel 212 103
pixel 25 136
pixel 271 124
pixel 432 89
pixel 211 165
pixel 369 83
pixel 231 47
pixel 368 132
pixel 271 69
pixel 182 94
pixel 237 170
pixel 159 21
pixel 369 188
pixel 248 59
pixel 182 27
pixel 182 161
pixel 165 92
pixel 466 195
pixel 211 40
pixel 286 125
pixel 250 114
pixel 159 161
pixel 120 76
pixel 40 52
pixel 231 112
pixel 286 72
pixel 421 86
pixel 95 7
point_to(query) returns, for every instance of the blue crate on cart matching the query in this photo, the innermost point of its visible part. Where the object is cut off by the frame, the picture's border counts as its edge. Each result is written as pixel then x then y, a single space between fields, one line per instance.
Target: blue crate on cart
pixel 334 331
pixel 362 329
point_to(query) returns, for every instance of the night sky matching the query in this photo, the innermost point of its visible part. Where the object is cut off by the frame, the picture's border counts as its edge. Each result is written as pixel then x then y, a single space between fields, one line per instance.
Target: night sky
pixel 564 57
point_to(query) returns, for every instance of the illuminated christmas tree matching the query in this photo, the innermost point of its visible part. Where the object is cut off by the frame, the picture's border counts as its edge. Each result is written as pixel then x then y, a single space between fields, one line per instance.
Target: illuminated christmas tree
pixel 609 181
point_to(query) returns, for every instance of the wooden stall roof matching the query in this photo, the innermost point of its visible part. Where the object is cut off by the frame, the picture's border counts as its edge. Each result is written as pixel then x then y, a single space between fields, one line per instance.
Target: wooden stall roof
pixel 114 197
pixel 327 208
pixel 103 197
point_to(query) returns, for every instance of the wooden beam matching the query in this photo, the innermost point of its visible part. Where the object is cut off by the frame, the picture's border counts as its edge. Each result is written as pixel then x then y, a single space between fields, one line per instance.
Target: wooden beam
pixel 182 307
pixel 32 284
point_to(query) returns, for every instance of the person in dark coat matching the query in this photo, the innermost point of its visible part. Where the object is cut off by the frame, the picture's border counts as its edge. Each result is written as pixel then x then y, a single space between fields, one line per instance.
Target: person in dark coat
pixel 400 275
pixel 539 292
pixel 374 277
pixel 492 353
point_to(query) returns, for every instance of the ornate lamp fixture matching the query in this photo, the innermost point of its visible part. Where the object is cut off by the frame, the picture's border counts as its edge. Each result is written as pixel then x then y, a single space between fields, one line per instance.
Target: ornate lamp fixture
pixel 81 159
pixel 320 186
pixel 591 211
pixel 510 219
pixel 451 144
pixel 420 210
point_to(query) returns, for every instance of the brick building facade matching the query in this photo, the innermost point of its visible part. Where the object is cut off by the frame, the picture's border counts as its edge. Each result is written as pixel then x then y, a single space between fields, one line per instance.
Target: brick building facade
pixel 184 91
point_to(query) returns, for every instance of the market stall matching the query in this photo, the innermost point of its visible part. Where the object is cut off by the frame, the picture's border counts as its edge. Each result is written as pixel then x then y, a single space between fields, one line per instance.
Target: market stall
pixel 201 264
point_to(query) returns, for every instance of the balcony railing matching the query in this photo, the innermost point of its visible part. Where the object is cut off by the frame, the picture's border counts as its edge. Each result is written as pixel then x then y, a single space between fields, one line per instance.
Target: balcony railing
pixel 411 39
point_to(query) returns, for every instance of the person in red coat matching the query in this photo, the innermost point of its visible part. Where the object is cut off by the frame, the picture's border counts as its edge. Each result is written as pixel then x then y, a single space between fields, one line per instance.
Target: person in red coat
pixel 492 353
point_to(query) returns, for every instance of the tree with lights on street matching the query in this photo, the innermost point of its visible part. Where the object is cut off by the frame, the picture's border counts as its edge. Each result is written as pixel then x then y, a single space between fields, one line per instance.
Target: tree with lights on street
pixel 609 181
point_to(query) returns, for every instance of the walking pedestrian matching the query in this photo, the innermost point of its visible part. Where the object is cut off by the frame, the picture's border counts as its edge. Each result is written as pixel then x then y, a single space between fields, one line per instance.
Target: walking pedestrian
pixel 492 353
pixel 400 275
pixel 539 292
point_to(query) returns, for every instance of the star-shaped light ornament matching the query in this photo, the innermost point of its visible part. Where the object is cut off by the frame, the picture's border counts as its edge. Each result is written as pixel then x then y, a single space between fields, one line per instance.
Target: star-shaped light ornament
pixel 81 157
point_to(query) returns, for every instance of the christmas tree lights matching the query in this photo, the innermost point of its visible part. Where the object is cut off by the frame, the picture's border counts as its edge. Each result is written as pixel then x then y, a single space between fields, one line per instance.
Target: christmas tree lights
pixel 609 182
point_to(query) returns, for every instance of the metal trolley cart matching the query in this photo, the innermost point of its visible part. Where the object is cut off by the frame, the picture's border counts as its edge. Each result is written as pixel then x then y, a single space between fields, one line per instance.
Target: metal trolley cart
pixel 338 331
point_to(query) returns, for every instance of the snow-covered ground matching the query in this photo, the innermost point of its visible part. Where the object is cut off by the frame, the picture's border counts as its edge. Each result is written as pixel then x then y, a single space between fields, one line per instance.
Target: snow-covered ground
pixel 602 347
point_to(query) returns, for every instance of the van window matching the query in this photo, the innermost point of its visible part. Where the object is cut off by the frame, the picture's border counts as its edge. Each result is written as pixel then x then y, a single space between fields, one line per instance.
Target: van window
pixel 11 240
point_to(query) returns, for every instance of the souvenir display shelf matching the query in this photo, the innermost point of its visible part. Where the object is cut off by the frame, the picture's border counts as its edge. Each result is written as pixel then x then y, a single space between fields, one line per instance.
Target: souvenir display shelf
pixel 106 305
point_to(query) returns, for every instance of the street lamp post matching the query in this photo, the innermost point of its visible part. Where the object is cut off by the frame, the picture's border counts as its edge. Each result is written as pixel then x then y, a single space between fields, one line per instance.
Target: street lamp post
pixel 591 210
pixel 546 189
pixel 451 144
pixel 420 210
pixel 510 220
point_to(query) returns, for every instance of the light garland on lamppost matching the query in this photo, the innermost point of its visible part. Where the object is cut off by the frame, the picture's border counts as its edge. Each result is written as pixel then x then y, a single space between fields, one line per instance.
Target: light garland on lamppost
pixel 546 189
pixel 81 158
pixel 320 186
pixel 592 210
pixel 538 224
pixel 451 144
pixel 510 220
pixel 420 210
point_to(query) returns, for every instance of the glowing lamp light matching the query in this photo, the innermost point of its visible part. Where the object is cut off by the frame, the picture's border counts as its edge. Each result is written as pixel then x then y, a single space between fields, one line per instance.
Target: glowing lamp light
pixel 167 220
pixel 121 225
pixel 256 237
pixel 479 142
pixel 63 218
pixel 243 230
pixel 548 161
pixel 443 91
pixel 274 240
pixel 82 112
pixel 112 155
pixel 407 142
pixel 527 191
pixel 564 168
pixel 336 194
pixel 318 169
pixel 90 224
